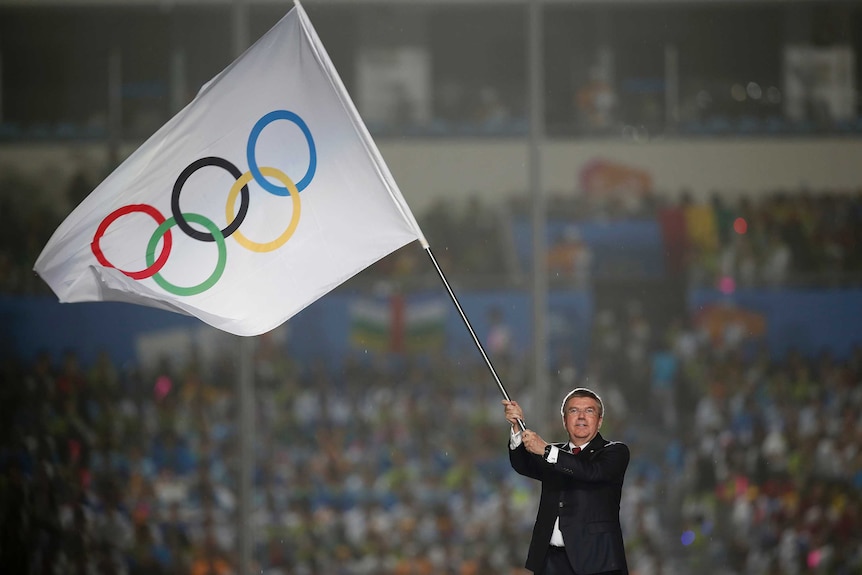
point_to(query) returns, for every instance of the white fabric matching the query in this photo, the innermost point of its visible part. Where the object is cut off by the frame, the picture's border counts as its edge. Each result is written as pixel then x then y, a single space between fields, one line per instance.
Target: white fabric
pixel 557 535
pixel 349 214
pixel 515 439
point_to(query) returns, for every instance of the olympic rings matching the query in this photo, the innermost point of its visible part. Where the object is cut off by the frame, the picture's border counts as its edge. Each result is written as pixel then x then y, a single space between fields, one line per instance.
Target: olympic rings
pixel 294 218
pixel 235 220
pixel 154 266
pixel 207 283
pixel 252 143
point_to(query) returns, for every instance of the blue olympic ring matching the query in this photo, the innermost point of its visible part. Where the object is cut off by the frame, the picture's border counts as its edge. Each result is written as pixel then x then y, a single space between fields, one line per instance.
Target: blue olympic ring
pixel 252 143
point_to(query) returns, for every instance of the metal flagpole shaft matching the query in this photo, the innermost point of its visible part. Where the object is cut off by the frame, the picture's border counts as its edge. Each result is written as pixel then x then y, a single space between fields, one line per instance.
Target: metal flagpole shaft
pixel 470 329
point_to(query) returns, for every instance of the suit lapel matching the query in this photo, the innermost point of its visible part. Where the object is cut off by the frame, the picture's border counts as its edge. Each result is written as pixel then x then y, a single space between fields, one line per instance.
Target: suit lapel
pixel 593 446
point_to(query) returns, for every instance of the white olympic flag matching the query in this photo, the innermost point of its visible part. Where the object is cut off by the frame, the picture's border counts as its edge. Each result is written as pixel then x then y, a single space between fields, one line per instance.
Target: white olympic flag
pixel 260 196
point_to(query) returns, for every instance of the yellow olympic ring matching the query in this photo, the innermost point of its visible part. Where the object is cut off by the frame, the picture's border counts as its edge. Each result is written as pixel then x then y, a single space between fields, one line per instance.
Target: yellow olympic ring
pixel 294 219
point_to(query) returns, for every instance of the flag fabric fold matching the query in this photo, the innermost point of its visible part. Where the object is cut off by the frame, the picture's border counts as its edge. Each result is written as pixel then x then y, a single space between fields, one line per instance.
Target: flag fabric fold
pixel 260 196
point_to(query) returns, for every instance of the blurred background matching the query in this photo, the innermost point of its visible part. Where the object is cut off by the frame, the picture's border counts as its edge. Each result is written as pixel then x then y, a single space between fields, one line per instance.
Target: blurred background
pixel 680 232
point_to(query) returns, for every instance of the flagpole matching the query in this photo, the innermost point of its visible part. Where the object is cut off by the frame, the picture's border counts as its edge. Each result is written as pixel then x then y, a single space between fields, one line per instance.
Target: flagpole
pixel 470 328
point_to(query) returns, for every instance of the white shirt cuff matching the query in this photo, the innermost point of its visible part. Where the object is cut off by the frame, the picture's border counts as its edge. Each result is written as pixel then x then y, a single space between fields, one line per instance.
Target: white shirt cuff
pixel 553 454
pixel 514 439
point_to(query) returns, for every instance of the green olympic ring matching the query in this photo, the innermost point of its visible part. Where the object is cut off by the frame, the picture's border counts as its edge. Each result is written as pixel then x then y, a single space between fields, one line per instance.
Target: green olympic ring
pixel 222 255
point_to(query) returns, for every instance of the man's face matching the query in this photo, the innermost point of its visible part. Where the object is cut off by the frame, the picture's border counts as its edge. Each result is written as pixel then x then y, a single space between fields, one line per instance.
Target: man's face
pixel 581 419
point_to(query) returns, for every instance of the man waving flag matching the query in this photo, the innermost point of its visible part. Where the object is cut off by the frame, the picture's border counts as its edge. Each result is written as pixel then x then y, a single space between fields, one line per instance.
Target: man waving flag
pixel 260 196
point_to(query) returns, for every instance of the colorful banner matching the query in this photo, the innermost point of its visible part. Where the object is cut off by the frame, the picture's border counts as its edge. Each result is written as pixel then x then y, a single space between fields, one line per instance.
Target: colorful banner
pixel 399 324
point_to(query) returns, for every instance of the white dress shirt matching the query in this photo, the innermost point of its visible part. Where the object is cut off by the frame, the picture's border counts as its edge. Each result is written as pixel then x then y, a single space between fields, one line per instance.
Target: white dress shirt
pixel 515 441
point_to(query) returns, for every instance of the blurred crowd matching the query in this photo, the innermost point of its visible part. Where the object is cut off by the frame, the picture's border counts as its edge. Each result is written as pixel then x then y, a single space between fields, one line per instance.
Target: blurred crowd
pixel 780 238
pixel 385 468
pixel 393 464
pixel 773 240
pixel 749 463
pixel 742 463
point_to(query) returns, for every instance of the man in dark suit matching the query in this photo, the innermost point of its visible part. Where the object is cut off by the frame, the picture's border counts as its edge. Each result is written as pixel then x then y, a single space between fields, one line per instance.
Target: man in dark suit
pixel 577 529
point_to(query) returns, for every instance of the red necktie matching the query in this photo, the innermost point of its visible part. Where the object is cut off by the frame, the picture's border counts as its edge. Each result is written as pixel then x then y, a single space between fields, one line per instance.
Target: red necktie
pixel 576 450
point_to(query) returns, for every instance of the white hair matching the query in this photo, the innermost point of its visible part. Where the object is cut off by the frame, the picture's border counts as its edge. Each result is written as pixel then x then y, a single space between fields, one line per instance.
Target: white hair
pixel 582 392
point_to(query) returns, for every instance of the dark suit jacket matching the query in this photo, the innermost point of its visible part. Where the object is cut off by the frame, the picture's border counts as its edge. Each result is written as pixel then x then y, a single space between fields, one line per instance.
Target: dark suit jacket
pixel 585 491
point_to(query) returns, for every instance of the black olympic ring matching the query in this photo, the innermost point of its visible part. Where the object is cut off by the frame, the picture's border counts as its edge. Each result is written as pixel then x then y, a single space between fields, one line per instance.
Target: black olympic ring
pixel 178 186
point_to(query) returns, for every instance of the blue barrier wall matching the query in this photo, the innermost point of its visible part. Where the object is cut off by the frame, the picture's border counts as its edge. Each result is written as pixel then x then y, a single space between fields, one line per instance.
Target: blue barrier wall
pixel 620 249
pixel 34 324
pixel 322 330
pixel 809 321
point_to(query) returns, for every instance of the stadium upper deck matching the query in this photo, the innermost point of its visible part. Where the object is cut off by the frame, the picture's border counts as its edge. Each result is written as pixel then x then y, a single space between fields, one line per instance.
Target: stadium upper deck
pixel 636 67
pixel 449 78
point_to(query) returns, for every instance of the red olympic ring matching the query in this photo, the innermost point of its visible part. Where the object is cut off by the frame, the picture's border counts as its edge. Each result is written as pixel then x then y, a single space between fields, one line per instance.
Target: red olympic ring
pixel 116 214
